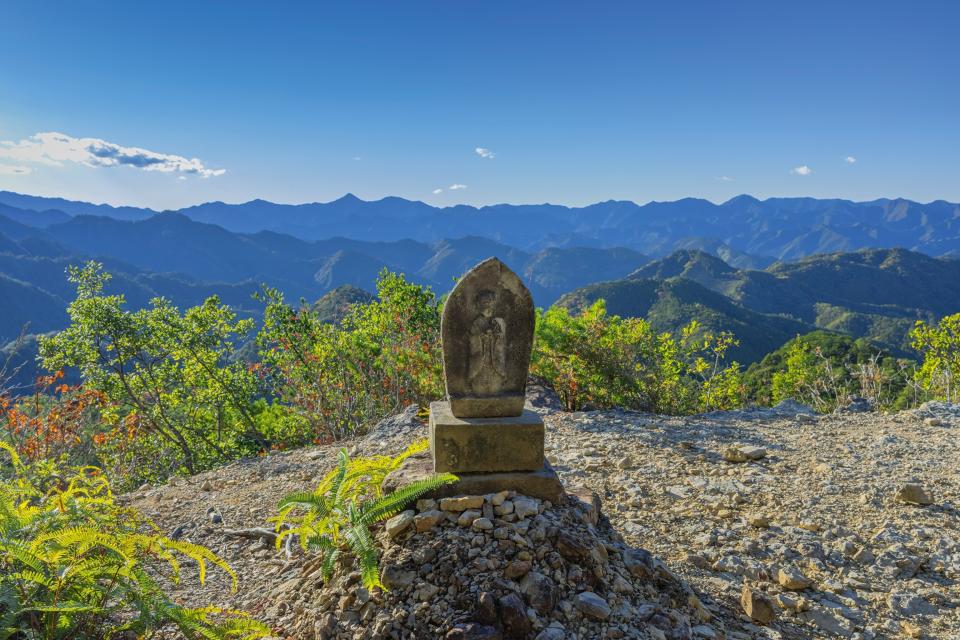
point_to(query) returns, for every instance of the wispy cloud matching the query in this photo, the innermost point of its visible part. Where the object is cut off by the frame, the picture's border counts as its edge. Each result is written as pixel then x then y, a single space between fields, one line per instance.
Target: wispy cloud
pixel 14 170
pixel 485 153
pixel 850 160
pixel 802 170
pixel 56 149
pixel 724 178
pixel 456 186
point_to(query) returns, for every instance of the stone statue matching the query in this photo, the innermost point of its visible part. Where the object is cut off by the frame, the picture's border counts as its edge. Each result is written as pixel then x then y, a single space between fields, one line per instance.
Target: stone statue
pixel 482 432
pixel 487 332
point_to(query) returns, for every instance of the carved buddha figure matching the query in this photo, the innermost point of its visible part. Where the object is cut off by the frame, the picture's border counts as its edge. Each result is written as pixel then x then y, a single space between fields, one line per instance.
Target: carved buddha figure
pixel 487 367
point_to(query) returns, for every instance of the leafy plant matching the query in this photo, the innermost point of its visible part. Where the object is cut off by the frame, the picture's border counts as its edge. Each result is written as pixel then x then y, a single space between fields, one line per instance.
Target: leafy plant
pixel 73 564
pixel 381 356
pixel 940 346
pixel 57 420
pixel 175 387
pixel 603 360
pixel 826 370
pixel 339 512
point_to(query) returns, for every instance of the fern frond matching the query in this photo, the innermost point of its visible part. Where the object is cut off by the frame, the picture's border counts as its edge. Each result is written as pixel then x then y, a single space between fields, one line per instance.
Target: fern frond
pixel 201 555
pixel 361 544
pixel 392 504
pixel 14 457
pixel 330 557
pixel 336 485
pixel 22 554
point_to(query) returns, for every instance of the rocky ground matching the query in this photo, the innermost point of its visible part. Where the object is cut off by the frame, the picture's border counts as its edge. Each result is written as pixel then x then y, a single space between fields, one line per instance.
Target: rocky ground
pixel 758 524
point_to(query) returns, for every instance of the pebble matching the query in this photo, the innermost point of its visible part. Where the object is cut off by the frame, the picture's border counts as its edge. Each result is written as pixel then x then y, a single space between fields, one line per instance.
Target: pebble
pixel 914 493
pixel 399 523
pixel 592 605
pixel 461 503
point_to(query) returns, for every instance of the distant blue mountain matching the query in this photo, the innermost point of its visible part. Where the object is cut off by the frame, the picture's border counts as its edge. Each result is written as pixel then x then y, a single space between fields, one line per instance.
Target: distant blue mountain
pixel 747 231
pixel 171 255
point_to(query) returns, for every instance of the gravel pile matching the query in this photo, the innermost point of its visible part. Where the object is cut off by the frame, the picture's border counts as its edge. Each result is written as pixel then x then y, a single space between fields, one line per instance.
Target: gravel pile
pixel 496 566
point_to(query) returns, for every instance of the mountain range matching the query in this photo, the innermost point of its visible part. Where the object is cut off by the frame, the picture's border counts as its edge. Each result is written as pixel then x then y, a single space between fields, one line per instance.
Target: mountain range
pixel 766 270
pixel 745 231
pixel 171 255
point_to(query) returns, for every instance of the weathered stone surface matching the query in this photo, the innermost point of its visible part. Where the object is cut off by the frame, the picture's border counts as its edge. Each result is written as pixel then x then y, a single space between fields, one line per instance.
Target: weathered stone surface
pixel 464 445
pixel 543 483
pixel 524 506
pixel 588 501
pixel 399 523
pixel 461 503
pixel 540 591
pixel 792 579
pixel 513 615
pixel 757 606
pixel 486 611
pixel 393 577
pixel 592 605
pixel 487 333
pixel 840 472
pixel 914 493
pixel 517 569
pixel 743 453
pixel 428 520
pixel 467 517
pixel 473 631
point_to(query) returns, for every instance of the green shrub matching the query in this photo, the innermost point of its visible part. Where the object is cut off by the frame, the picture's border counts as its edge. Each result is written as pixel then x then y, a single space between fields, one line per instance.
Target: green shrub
pixel 604 360
pixel 825 370
pixel 178 397
pixel 73 564
pixel 342 377
pixel 339 512
pixel 939 374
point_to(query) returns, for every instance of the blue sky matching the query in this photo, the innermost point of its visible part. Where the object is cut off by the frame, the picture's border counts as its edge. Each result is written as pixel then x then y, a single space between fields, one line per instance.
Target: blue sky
pixel 173 103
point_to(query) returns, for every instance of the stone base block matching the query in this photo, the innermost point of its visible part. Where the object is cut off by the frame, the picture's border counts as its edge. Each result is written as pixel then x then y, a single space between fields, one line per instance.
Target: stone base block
pixel 542 483
pixel 492 407
pixel 484 445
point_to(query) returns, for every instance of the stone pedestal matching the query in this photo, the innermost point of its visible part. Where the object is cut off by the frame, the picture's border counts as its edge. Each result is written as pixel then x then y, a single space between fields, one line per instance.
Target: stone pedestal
pixel 489 445
pixel 542 483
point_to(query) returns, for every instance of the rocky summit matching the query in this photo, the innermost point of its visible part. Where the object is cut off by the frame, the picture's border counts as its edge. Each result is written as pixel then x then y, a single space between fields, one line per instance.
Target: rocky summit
pixel 767 523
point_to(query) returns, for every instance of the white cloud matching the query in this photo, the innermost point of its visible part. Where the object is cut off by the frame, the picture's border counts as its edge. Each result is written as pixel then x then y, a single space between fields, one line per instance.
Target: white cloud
pixel 802 170
pixel 850 160
pixel 485 153
pixel 437 191
pixel 55 149
pixel 457 187
pixel 14 170
pixel 724 178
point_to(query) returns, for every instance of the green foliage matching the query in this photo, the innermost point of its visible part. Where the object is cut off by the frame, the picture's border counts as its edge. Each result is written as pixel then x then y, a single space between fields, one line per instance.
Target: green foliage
pixel 341 377
pixel 940 345
pixel 73 564
pixel 179 399
pixel 825 370
pixel 337 515
pixel 604 360
pixel 669 305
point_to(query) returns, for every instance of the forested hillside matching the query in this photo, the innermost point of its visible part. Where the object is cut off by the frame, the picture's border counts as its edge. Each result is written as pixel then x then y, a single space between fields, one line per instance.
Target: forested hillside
pixel 874 293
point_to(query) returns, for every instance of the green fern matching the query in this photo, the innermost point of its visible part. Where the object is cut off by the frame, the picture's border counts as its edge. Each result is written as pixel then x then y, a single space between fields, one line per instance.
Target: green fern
pixel 73 564
pixel 337 515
